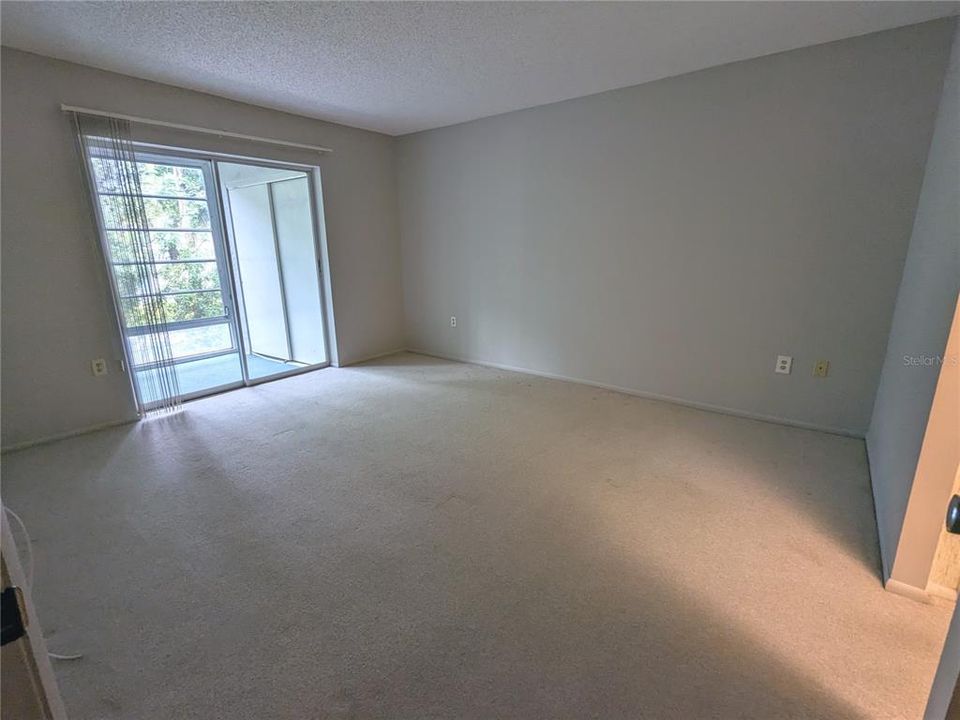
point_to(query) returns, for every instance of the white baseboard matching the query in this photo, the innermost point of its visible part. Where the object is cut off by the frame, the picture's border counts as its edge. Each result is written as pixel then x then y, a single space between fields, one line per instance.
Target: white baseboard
pixel 933 594
pixel 526 371
pixel 909 591
pixel 846 432
pixel 368 358
pixel 942 591
pixel 116 423
pixel 64 435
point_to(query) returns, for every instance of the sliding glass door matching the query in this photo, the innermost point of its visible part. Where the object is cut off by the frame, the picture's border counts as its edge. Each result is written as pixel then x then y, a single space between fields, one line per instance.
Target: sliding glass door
pixel 191 271
pixel 270 227
pixel 240 306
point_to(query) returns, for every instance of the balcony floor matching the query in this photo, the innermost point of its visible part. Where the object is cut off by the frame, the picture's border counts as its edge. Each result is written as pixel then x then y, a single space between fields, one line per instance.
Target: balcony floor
pixel 198 375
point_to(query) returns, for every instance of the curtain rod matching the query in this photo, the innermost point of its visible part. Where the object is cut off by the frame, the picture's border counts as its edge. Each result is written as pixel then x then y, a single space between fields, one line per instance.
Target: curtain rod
pixel 193 128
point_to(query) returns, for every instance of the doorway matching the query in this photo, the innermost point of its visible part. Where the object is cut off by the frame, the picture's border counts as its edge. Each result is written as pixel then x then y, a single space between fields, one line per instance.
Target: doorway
pixel 237 261
pixel 273 248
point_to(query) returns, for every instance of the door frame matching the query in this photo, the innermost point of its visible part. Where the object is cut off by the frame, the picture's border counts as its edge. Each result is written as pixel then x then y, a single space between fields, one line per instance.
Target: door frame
pixel 220 246
pixel 319 255
pixel 207 160
pixel 32 646
pixel 321 250
pixel 160 155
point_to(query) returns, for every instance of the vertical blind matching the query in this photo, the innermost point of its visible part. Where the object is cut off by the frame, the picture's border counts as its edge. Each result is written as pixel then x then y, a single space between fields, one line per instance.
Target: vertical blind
pixel 112 175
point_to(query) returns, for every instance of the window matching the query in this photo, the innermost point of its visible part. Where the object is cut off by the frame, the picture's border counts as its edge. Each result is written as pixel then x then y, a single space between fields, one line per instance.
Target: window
pixel 192 270
pixel 186 265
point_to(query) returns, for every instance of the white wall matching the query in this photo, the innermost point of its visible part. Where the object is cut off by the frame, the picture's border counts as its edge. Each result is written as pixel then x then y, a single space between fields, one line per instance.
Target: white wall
pixel 674 237
pixel 921 323
pixel 298 262
pixel 56 310
pixel 255 249
pixel 670 238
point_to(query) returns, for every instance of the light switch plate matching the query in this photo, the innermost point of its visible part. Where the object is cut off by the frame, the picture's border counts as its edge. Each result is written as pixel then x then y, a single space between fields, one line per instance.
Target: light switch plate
pixel 822 368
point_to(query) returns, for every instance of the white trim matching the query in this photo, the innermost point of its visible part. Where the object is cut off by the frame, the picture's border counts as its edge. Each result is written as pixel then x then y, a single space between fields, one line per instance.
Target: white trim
pixel 908 591
pixel 193 128
pixel 846 432
pixel 377 356
pixel 510 368
pixel 933 594
pixel 34 635
pixel 312 175
pixel 942 592
pixel 65 435
pixel 187 152
pixel 323 255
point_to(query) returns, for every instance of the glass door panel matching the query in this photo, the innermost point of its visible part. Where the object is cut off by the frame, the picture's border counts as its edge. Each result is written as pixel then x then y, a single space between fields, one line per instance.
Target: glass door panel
pixel 255 254
pixel 298 265
pixel 274 251
pixel 189 266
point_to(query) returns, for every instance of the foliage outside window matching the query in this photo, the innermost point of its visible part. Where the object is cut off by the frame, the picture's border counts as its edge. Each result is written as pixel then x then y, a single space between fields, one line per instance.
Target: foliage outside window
pixel 184 270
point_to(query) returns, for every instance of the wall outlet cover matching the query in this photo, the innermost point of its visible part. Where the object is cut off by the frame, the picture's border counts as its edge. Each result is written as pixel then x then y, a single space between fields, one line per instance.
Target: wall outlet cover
pixel 453 321
pixel 784 364
pixel 98 366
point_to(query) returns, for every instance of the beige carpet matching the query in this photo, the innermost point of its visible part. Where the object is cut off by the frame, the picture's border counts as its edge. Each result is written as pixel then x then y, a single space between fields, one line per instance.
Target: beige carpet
pixel 415 538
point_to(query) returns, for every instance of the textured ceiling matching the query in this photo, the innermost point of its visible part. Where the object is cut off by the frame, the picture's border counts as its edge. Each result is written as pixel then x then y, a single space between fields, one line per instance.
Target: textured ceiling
pixel 403 67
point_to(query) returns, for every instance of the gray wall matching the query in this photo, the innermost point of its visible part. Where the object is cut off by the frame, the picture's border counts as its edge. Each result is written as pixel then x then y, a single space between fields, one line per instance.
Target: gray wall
pixel 56 309
pixel 674 237
pixel 921 323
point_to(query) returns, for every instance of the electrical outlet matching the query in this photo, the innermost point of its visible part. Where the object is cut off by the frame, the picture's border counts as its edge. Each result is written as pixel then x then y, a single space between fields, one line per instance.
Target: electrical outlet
pixel 784 364
pixel 453 321
pixel 99 366
pixel 822 368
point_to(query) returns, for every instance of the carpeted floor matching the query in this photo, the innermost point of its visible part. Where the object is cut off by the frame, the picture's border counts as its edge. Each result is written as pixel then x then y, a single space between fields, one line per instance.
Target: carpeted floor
pixel 414 538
